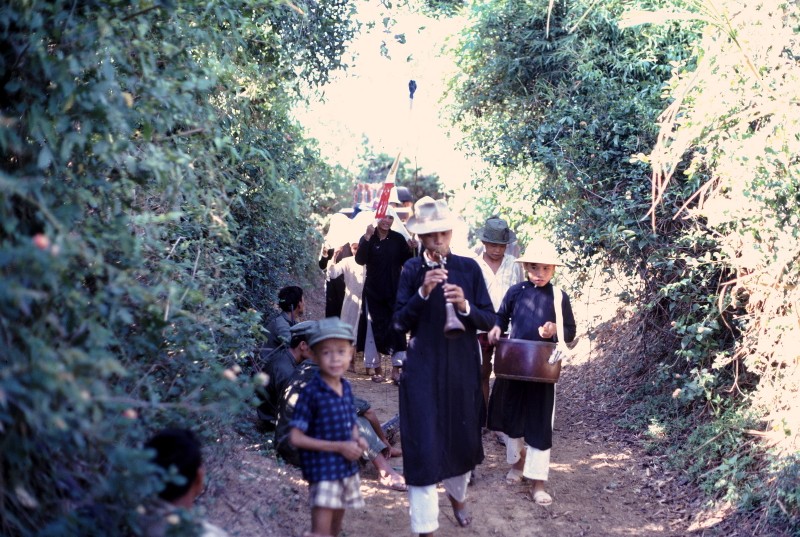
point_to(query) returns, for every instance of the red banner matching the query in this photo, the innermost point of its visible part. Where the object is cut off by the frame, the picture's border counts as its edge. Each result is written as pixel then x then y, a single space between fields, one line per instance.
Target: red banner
pixel 383 203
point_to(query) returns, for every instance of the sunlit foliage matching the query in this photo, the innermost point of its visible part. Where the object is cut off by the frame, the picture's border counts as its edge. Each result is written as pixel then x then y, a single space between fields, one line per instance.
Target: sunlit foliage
pixel 573 102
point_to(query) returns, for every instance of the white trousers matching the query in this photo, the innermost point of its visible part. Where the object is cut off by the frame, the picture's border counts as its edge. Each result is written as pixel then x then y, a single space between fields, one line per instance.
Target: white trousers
pixel 424 502
pixel 537 461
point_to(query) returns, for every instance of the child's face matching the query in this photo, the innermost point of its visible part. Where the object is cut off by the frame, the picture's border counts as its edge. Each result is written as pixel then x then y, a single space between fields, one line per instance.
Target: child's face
pixel 333 356
pixel 539 274
pixel 494 251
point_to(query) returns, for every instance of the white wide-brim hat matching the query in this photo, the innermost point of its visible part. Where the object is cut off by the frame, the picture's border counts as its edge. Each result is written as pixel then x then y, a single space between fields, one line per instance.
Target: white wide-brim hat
pixel 540 251
pixel 339 230
pixel 430 216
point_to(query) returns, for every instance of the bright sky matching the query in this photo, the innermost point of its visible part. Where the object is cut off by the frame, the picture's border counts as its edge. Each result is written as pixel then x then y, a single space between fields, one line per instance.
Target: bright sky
pixel 372 99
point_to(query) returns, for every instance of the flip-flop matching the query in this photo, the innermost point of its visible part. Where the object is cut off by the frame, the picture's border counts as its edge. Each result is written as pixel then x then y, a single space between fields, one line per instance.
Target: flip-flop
pixel 542 498
pixel 378 378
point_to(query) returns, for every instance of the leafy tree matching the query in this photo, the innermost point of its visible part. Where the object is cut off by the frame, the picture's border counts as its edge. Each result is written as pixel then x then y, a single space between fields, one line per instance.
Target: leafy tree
pixel 153 196
pixel 566 101
pixel 733 129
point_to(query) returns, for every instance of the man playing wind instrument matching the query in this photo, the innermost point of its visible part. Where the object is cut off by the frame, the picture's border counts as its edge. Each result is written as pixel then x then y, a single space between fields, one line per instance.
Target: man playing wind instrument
pixel 441 403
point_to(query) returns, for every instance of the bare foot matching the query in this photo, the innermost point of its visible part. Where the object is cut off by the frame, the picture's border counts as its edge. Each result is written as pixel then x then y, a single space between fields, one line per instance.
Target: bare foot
pixel 463 517
pixel 394 482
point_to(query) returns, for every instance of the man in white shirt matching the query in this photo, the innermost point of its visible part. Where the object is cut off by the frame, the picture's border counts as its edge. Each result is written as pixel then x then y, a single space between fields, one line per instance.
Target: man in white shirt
pixel 500 272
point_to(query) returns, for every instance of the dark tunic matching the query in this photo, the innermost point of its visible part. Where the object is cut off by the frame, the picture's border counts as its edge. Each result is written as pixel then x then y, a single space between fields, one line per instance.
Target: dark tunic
pixel 441 402
pixel 278 328
pixel 280 367
pixel 384 260
pixel 517 407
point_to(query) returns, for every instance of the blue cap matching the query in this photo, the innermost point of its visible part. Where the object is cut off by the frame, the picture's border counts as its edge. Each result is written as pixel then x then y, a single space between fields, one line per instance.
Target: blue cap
pixel 331 328
pixel 305 328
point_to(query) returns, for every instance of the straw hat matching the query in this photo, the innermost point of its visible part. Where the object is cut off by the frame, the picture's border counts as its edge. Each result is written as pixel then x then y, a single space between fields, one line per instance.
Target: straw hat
pixel 496 231
pixel 540 251
pixel 430 216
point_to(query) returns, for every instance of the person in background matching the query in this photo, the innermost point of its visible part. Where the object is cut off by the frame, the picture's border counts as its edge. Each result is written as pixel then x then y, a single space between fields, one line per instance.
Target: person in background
pixel 441 404
pixel 324 431
pixel 382 251
pixel 335 286
pixel 290 302
pixel 280 366
pixel 524 410
pixel 401 199
pixel 499 272
pixel 177 453
pixel 353 275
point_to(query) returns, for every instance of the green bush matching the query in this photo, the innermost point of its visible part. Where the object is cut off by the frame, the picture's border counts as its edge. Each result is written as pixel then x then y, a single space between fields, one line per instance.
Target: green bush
pixel 153 198
pixel 669 150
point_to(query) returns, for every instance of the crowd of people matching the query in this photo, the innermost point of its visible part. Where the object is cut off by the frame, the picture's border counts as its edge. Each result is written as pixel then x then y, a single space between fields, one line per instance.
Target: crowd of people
pixel 403 294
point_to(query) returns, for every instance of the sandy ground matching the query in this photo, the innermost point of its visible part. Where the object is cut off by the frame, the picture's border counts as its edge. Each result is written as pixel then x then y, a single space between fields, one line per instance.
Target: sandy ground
pixel 601 480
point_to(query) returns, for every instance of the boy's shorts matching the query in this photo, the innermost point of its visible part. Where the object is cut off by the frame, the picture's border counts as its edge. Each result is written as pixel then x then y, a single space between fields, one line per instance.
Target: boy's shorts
pixel 340 494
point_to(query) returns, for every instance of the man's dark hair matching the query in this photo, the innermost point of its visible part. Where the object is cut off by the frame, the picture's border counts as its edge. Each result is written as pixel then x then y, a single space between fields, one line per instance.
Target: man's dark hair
pixel 297 339
pixel 289 297
pixel 178 448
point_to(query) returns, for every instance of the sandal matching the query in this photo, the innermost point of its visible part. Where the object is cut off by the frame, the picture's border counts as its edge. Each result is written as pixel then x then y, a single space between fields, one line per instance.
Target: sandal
pixel 514 476
pixel 378 378
pixel 542 498
pixel 395 483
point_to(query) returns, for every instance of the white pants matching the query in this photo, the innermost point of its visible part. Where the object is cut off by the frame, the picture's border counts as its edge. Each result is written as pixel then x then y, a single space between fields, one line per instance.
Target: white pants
pixel 424 502
pixel 537 461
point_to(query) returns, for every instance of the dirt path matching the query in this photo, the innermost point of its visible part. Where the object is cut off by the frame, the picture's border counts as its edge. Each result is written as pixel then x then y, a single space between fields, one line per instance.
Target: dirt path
pixel 601 481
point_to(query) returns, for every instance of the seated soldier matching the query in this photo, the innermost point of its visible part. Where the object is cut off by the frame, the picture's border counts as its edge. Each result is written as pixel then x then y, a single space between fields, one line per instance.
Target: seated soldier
pixel 379 448
pixel 281 363
pixel 290 302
